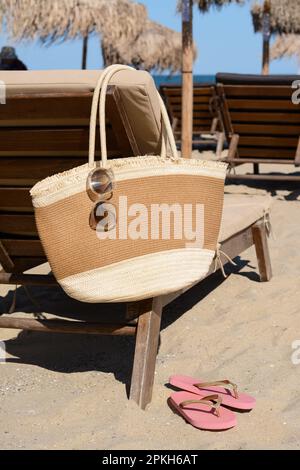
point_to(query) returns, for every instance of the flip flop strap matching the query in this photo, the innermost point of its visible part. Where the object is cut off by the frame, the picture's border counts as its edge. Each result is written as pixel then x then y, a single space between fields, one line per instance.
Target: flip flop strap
pixel 220 383
pixel 214 401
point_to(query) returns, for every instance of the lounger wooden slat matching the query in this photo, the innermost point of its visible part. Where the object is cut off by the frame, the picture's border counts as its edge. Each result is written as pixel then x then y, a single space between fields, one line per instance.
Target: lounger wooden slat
pixel 48 141
pixel 201 107
pixel 176 100
pixel 42 109
pixel 24 171
pixel 66 326
pixel 172 90
pixel 247 104
pixel 256 153
pixel 267 129
pixel 198 121
pixel 205 119
pixel 261 112
pixel 20 248
pixel 268 141
pixel 15 199
pixel 199 118
pixel 73 110
pixel 257 91
pixel 264 118
pixel 15 224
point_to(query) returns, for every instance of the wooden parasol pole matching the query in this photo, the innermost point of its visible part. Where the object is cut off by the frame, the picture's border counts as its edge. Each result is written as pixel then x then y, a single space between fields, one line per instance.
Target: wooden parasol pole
pixel 84 52
pixel 187 79
pixel 266 37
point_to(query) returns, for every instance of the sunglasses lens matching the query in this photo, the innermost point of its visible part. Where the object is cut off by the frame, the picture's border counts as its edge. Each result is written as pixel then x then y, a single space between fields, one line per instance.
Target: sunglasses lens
pixel 103 217
pixel 100 184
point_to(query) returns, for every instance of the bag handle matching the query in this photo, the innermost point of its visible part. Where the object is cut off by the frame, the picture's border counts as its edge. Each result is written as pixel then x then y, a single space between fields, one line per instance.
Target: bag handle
pixel 100 91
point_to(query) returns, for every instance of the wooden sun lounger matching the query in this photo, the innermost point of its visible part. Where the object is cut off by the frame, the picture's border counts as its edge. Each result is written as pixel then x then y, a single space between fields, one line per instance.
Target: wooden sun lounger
pixel 258 113
pixel 207 127
pixel 45 133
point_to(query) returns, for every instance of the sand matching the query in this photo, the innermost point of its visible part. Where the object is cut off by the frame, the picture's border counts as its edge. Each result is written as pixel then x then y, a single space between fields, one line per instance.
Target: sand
pixel 68 392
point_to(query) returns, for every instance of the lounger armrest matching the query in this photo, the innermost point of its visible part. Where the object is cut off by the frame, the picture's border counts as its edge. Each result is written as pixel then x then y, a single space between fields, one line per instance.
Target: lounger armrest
pixel 297 156
pixel 232 151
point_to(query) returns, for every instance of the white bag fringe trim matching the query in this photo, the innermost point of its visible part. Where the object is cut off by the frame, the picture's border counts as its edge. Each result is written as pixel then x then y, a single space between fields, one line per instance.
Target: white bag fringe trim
pixel 70 182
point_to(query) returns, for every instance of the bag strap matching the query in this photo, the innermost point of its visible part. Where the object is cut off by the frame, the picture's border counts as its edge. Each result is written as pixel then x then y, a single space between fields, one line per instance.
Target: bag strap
pixel 100 92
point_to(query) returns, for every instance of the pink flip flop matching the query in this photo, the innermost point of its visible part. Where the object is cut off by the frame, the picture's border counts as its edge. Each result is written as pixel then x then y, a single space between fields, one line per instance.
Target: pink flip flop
pixel 224 388
pixel 203 413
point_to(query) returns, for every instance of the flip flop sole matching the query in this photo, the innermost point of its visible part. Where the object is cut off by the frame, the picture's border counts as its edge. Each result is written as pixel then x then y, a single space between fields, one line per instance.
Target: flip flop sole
pixel 202 416
pixel 244 401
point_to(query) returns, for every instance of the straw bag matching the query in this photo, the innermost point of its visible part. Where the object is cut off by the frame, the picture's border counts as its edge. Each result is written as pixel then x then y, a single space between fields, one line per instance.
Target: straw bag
pixel 132 228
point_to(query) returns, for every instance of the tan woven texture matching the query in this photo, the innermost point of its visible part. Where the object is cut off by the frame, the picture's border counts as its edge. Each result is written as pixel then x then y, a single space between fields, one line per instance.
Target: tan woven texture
pixel 73 247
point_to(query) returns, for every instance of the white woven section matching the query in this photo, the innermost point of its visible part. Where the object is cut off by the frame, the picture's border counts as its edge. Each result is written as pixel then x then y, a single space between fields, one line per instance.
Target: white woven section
pixel 140 278
pixel 68 183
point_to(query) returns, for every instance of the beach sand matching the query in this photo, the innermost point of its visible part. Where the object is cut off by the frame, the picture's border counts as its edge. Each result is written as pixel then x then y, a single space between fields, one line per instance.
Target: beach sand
pixel 68 392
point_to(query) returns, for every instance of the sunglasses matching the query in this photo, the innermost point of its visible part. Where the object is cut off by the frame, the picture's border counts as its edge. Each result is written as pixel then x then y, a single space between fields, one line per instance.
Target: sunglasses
pixel 99 186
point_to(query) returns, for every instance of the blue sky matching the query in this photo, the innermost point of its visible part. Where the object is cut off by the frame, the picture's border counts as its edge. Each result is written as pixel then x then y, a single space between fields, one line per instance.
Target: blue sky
pixel 225 41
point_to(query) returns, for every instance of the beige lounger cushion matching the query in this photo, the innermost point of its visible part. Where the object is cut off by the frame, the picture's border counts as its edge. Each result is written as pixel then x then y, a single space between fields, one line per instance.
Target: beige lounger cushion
pixel 241 211
pixel 137 90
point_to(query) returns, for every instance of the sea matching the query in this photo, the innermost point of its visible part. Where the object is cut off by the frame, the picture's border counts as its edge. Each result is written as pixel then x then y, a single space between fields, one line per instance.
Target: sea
pixel 176 79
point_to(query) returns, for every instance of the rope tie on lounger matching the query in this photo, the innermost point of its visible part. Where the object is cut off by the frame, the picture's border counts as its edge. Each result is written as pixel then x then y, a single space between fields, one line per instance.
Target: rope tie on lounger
pixel 231 169
pixel 218 260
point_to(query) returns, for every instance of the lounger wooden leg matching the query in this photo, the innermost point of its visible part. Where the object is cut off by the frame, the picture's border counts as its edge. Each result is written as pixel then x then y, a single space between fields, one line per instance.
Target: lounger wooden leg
pixel 147 338
pixel 260 240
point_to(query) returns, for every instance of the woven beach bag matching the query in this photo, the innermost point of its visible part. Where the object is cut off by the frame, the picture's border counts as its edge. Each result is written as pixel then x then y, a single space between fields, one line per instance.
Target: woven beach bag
pixel 155 233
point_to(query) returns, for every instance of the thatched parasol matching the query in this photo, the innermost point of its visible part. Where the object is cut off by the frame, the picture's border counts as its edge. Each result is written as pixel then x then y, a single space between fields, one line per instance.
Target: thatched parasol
pixel 284 16
pixel 287 45
pixel 67 19
pixel 59 20
pixel 157 47
pixel 275 17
